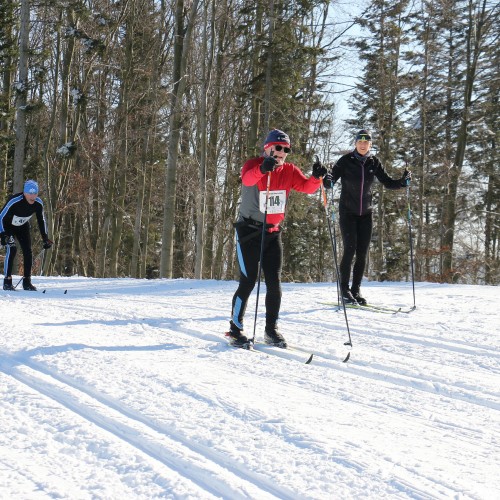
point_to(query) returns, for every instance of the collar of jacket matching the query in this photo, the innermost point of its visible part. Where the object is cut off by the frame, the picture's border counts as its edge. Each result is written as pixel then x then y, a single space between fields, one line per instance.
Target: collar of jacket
pixel 362 157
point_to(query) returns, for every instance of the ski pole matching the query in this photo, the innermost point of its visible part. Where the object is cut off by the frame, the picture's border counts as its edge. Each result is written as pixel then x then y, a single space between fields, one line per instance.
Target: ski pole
pixel 42 258
pixel 332 210
pixel 261 254
pixel 325 204
pixel 411 239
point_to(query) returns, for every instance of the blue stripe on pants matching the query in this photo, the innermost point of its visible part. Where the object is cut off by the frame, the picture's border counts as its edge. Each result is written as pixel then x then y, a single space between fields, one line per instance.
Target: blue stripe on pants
pixel 241 262
pixel 6 262
pixel 236 313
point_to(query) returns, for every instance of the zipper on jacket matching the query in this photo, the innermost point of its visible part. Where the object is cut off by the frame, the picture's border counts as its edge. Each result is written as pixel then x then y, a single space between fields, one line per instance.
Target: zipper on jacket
pixel 362 187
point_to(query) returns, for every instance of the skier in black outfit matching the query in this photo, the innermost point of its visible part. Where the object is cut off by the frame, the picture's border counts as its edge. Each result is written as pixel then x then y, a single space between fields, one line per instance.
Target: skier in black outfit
pixel 14 223
pixel 357 171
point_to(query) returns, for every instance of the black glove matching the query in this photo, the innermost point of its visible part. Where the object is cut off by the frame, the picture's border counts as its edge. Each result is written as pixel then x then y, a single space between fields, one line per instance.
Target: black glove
pixel 328 181
pixel 7 240
pixel 318 169
pixel 268 165
pixel 47 243
pixel 406 177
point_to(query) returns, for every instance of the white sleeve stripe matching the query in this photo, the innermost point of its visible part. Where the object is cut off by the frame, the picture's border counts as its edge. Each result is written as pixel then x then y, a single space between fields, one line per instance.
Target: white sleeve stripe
pixel 6 209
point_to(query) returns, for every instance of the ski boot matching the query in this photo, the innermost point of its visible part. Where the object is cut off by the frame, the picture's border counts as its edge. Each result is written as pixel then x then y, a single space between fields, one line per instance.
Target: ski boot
pixel 7 285
pixel 348 296
pixel 27 285
pixel 273 337
pixel 237 339
pixel 358 297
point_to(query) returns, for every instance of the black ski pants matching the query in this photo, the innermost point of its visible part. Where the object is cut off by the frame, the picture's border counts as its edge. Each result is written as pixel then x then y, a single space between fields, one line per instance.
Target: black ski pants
pixel 248 244
pixel 356 233
pixel 23 236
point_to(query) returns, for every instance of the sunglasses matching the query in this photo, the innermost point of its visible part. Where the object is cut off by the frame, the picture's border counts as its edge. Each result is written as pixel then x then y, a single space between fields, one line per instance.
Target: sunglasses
pixel 279 147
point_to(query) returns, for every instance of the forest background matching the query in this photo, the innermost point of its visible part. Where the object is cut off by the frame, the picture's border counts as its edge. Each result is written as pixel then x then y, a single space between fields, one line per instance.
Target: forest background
pixel 136 116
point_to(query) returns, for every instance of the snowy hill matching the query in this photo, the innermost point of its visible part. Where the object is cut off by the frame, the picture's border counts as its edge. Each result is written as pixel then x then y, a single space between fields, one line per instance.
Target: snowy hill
pixel 127 389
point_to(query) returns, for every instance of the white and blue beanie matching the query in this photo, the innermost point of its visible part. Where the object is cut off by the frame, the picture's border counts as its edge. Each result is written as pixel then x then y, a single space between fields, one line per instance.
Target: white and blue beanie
pixel 30 187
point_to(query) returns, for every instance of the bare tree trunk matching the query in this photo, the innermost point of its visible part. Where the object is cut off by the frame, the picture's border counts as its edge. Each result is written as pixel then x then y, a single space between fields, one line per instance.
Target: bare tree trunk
pixel 256 92
pixel 422 266
pixel 115 202
pixel 103 237
pixel 391 48
pixel 118 210
pixel 96 222
pixel 378 258
pixel 141 189
pixel 18 178
pixel 147 220
pixel 491 223
pixel 182 47
pixel 49 199
pixel 202 170
pixel 8 74
pixel 474 43
pixel 212 150
pixel 269 68
pixel 57 182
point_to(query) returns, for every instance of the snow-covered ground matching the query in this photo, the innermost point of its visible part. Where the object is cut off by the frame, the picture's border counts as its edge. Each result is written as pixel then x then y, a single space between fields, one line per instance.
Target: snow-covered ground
pixel 127 389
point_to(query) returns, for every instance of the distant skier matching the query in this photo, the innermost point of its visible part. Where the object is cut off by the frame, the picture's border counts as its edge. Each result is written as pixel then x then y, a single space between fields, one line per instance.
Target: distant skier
pixel 284 177
pixel 357 171
pixel 14 223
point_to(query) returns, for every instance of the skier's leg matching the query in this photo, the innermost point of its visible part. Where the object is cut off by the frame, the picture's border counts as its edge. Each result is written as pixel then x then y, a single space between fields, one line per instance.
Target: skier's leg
pixel 364 232
pixel 10 254
pixel 24 237
pixel 272 266
pixel 248 261
pixel 347 223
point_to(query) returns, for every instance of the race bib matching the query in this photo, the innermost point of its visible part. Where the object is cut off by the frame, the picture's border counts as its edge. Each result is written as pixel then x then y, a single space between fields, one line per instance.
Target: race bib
pixel 19 221
pixel 275 203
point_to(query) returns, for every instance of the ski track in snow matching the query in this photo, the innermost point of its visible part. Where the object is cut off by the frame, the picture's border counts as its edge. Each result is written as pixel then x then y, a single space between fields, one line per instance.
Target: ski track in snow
pixel 128 387
pixel 142 433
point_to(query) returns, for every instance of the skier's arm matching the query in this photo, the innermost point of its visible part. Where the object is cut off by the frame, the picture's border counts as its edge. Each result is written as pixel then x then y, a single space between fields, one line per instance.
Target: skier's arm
pixel 387 181
pixel 251 173
pixel 332 176
pixel 304 184
pixel 3 215
pixel 40 217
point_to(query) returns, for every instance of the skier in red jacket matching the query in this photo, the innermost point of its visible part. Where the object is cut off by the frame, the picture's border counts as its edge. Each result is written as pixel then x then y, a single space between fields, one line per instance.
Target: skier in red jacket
pixel 283 177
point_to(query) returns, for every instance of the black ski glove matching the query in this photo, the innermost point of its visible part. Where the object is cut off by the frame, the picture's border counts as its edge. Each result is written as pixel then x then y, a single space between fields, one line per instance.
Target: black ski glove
pixel 7 240
pixel 268 165
pixel 328 181
pixel 318 170
pixel 47 243
pixel 406 178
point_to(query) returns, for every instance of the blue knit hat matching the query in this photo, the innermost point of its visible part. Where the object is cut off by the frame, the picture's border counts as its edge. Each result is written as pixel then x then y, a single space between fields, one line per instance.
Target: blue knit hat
pixel 30 187
pixel 276 137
